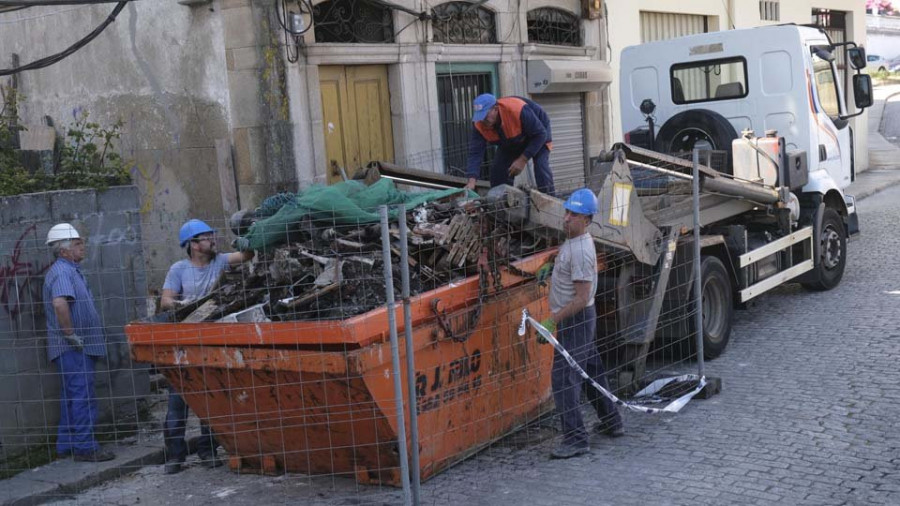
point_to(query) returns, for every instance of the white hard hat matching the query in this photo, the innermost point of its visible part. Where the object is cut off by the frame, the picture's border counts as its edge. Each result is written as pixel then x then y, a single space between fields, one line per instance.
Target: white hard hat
pixel 62 232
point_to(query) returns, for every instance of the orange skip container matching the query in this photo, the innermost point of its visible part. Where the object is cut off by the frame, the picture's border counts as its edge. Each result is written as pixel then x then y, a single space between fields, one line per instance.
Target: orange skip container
pixel 317 397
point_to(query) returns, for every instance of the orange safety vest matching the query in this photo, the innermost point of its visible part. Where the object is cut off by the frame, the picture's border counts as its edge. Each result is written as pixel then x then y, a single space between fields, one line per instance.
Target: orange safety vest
pixel 510 109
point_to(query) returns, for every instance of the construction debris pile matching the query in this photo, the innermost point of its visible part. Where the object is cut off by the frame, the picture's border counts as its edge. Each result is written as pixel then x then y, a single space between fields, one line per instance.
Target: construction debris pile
pixel 328 271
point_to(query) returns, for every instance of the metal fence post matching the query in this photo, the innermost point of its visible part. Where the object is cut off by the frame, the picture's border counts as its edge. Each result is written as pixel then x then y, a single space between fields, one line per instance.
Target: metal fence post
pixel 395 352
pixel 410 358
pixel 698 280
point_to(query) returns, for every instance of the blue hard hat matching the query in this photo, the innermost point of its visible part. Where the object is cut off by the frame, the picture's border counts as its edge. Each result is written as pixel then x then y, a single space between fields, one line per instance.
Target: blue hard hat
pixel 482 105
pixel 192 229
pixel 583 201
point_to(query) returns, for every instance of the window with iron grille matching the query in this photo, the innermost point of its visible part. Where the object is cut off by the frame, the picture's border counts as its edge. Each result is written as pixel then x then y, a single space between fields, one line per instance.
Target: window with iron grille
pixel 463 23
pixel 457 88
pixel 769 10
pixel 352 21
pixel 548 25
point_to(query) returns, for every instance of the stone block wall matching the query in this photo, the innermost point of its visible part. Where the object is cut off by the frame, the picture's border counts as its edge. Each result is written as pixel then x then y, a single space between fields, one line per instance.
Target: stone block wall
pixel 115 269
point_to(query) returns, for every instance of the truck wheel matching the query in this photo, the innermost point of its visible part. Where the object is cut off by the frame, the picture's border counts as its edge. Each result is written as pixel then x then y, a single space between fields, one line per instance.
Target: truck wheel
pixel 696 128
pixel 832 259
pixel 718 306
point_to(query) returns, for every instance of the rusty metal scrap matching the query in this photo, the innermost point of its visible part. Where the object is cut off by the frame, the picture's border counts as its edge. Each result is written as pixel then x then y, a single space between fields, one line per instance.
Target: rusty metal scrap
pixel 336 272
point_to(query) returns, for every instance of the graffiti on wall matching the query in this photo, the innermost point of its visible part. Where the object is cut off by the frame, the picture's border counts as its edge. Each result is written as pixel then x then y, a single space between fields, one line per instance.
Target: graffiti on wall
pixel 20 277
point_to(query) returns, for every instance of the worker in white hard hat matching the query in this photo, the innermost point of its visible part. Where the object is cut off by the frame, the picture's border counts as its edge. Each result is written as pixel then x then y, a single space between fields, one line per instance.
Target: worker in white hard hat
pixel 75 340
pixel 187 280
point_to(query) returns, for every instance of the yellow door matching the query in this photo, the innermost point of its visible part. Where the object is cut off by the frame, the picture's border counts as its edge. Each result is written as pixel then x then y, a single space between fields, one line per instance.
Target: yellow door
pixel 356 110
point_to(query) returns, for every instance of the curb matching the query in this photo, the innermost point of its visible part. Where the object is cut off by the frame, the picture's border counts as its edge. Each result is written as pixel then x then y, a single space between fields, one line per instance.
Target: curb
pixel 64 478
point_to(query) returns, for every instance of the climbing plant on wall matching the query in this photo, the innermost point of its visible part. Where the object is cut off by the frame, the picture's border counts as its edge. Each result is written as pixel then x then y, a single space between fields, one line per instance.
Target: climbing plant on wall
pixel 86 159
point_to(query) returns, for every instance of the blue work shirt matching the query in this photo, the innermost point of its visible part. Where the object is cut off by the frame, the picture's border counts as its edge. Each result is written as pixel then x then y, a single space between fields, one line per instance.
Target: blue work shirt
pixel 64 279
pixel 192 282
pixel 523 129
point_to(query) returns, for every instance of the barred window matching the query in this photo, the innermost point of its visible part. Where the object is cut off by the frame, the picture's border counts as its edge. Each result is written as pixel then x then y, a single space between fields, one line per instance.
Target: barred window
pixel 769 10
pixel 463 23
pixel 549 25
pixel 353 21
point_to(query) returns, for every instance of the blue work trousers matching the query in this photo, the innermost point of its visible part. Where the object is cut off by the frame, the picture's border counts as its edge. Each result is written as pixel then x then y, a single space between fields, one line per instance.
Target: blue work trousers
pixel 174 429
pixel 78 406
pixel 577 336
pixel 541 161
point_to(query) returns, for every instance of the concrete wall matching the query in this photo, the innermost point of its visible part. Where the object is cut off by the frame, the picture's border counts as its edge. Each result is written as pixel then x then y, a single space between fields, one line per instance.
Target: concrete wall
pixel 412 79
pixel 884 36
pixel 114 268
pixel 194 87
pixel 624 31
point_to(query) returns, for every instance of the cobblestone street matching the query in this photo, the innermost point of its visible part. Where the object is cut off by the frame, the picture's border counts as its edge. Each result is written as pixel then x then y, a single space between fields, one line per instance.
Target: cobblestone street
pixel 810 393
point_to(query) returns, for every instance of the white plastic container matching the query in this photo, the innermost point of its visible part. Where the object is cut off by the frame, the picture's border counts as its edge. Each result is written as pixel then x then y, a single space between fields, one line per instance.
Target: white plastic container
pixel 750 162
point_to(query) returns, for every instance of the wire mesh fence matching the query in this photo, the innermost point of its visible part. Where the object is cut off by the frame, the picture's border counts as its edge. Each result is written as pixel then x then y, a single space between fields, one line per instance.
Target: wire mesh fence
pixel 289 358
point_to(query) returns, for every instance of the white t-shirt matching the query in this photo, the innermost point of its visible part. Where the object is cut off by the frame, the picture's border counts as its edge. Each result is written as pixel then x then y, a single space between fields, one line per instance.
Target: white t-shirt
pixel 576 261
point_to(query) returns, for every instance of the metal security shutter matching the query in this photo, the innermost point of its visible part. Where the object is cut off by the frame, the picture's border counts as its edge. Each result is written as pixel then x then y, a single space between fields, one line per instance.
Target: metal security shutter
pixel 567 163
pixel 666 25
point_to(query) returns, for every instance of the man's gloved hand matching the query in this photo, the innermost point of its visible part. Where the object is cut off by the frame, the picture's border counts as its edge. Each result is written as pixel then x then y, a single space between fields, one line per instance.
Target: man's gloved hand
pixel 75 341
pixel 549 324
pixel 241 244
pixel 544 273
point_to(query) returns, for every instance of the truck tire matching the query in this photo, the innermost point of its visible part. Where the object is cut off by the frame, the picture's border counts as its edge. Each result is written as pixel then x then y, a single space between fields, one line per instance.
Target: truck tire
pixel 696 127
pixel 832 259
pixel 718 306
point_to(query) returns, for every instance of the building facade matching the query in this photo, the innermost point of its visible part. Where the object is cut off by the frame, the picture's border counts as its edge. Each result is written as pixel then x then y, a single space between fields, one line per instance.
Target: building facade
pixel 396 82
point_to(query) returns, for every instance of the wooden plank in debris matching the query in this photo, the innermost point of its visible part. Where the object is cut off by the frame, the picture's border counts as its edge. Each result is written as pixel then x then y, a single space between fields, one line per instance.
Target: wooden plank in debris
pixel 202 312
pixel 345 245
pixel 310 297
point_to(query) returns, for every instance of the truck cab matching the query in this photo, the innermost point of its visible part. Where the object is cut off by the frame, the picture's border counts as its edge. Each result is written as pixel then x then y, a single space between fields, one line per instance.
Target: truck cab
pixel 705 90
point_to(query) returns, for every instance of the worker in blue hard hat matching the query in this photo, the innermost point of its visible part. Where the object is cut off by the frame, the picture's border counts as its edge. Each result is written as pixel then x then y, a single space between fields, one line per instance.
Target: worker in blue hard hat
pixel 573 320
pixel 521 130
pixel 187 280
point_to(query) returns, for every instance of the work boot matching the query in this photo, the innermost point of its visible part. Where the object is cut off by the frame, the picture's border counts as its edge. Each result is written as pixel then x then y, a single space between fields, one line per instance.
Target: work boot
pixel 564 451
pixel 96 456
pixel 210 461
pixel 606 430
pixel 173 467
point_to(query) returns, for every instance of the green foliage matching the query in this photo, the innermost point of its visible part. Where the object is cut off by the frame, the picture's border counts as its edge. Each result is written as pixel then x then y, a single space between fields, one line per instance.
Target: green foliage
pixel 87 158
pixel 14 178
pixel 881 75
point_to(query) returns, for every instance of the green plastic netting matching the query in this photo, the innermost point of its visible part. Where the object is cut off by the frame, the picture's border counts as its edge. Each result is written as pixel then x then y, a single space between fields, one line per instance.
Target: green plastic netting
pixel 345 203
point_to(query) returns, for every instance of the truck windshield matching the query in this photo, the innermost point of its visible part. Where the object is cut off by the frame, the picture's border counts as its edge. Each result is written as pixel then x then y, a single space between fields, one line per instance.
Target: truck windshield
pixel 826 86
pixel 709 80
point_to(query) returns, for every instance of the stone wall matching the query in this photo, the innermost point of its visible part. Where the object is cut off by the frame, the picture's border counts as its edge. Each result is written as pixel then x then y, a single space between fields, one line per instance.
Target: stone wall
pixel 199 87
pixel 114 267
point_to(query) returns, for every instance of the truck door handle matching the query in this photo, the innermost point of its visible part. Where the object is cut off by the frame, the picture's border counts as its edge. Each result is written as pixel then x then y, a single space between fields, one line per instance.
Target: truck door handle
pixel 823 153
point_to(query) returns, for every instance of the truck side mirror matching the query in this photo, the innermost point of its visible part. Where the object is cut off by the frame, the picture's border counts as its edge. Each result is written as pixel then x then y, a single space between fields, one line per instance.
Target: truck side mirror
pixel 823 54
pixel 857 57
pixel 862 90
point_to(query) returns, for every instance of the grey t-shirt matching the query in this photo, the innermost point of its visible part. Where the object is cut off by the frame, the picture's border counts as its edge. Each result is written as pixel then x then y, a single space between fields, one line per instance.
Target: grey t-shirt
pixel 576 261
pixel 194 282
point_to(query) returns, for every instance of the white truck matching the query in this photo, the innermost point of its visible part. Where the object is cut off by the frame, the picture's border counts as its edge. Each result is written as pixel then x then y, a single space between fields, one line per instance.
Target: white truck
pixel 770 102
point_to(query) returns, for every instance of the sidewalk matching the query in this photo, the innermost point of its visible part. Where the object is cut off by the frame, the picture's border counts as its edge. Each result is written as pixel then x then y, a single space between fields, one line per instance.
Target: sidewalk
pixel 63 478
pixel 884 157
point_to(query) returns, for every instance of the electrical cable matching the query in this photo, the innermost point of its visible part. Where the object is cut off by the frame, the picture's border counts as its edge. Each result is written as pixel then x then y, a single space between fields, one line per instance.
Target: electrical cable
pixel 292 39
pixel 56 58
pixel 47 3
pixel 38 16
